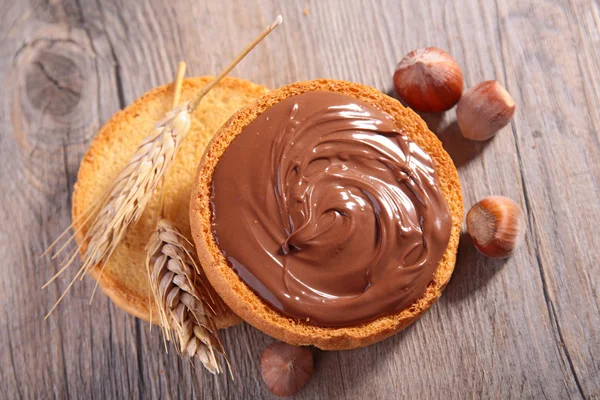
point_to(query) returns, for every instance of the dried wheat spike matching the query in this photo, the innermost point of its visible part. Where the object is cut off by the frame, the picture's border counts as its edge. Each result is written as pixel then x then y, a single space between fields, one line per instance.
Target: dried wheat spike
pixel 135 185
pixel 131 192
pixel 185 306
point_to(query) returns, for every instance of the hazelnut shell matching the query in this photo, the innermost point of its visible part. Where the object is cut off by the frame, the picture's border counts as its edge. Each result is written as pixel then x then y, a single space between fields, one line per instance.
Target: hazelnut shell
pixel 483 110
pixel 285 368
pixel 496 224
pixel 429 80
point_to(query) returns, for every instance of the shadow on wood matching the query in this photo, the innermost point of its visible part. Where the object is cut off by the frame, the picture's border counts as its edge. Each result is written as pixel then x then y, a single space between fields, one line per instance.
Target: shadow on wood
pixel 355 370
pixel 461 150
pixel 473 271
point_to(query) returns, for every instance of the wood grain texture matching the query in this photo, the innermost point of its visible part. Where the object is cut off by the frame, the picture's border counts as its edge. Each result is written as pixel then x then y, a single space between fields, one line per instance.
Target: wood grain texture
pixel 528 327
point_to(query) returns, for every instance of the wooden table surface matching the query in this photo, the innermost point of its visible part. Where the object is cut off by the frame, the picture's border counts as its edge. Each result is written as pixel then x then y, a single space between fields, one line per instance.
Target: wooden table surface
pixel 527 327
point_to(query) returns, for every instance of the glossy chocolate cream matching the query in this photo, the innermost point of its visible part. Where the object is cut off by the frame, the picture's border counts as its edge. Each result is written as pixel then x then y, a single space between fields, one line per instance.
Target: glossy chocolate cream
pixel 328 212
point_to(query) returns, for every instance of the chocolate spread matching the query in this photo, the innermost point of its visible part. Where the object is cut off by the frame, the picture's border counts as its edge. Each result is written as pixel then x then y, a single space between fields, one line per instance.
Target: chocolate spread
pixel 328 211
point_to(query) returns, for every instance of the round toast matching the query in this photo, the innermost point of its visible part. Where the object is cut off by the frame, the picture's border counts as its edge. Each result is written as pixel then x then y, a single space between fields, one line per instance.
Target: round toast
pixel 243 301
pixel 124 278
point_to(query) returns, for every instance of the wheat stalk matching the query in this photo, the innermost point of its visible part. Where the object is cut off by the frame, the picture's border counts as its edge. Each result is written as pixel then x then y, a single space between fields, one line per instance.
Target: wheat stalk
pixel 182 300
pixel 126 199
pixel 131 192
pixel 185 306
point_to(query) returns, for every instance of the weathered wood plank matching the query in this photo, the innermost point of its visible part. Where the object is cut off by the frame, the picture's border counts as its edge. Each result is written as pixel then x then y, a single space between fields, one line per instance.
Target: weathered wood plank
pixel 528 327
pixel 59 87
pixel 559 156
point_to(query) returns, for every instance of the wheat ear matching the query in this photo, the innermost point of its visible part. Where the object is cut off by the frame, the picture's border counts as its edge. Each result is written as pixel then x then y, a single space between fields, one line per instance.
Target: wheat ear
pixel 185 306
pixel 129 195
pixel 183 303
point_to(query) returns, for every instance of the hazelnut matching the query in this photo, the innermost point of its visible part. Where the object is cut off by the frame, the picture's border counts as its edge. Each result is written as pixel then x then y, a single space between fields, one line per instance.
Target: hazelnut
pixel 286 368
pixel 429 80
pixel 497 226
pixel 483 110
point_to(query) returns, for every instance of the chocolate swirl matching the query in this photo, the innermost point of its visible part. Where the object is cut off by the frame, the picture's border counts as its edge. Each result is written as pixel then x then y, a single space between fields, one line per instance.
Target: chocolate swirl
pixel 328 211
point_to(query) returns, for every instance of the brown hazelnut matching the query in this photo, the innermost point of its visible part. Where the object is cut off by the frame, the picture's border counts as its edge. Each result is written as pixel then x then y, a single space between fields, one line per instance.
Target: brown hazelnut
pixel 497 226
pixel 429 80
pixel 286 368
pixel 483 110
